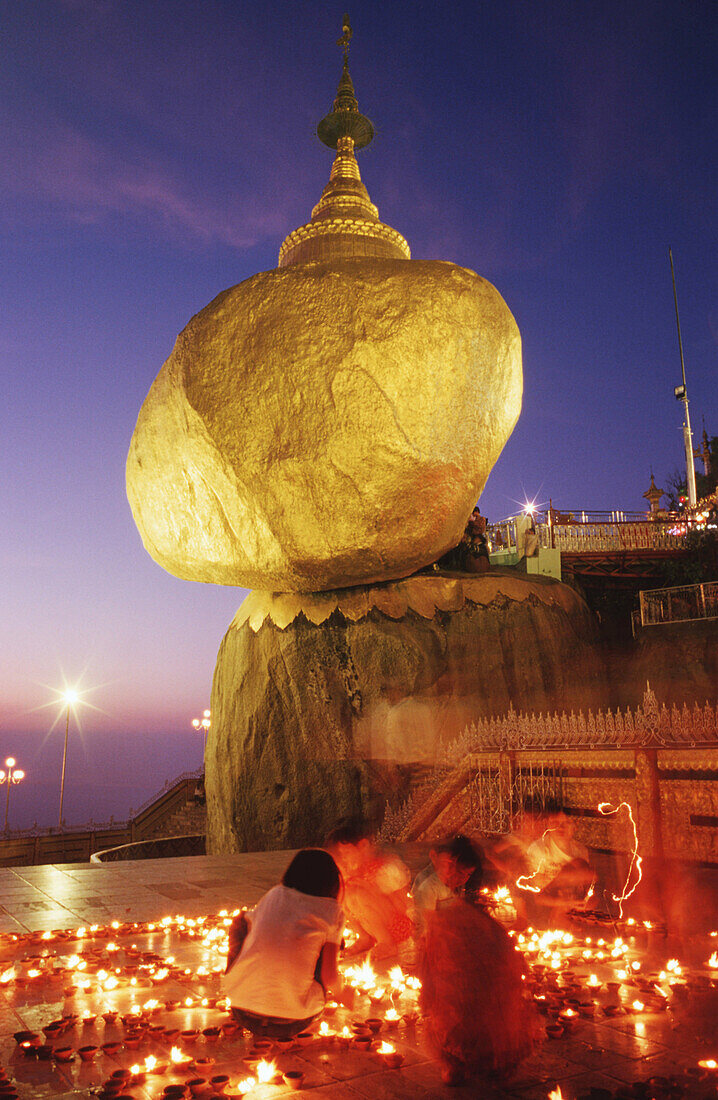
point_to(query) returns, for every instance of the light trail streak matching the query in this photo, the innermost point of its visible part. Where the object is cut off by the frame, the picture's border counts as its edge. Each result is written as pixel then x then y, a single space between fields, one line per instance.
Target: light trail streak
pixel 607 810
pixel 523 881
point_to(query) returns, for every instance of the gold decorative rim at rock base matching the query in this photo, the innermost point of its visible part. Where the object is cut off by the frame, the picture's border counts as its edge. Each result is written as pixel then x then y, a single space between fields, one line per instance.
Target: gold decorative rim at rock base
pixel 424 594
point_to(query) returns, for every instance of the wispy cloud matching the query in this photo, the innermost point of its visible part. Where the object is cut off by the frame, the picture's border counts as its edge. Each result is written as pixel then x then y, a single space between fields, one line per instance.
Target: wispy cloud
pixel 56 168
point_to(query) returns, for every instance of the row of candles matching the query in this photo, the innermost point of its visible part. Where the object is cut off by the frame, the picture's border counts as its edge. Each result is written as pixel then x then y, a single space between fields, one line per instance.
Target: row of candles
pixel 550 957
pixel 624 986
pixel 97 966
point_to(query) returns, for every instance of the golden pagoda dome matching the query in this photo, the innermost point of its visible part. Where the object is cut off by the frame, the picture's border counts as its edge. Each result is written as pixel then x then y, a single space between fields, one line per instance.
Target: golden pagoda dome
pixel 345 222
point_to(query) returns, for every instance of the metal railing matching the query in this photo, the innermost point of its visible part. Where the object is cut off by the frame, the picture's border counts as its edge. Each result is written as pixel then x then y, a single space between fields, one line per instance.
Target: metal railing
pixel 79 842
pixel 93 826
pixel 497 797
pixel 583 515
pixel 582 531
pixel 612 536
pixel 196 774
pixel 681 603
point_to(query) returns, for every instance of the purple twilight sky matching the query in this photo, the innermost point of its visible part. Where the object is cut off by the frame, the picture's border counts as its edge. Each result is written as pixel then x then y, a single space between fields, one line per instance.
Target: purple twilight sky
pixel 153 154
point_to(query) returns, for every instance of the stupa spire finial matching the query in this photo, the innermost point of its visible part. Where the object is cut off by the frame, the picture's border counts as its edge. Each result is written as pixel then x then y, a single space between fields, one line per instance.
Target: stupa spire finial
pixel 345 118
pixel 344 223
pixel 345 38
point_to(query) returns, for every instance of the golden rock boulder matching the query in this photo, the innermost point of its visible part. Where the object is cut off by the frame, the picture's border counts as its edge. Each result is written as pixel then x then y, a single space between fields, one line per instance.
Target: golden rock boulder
pixel 325 424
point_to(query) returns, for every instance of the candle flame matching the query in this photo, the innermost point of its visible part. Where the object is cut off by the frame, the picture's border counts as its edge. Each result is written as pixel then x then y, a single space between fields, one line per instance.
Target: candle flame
pixel 246 1084
pixel 555 1094
pixel 363 977
pixel 266 1071
pixel 386 1048
pixel 708 1063
pixel 713 960
pixel 396 976
pixel 608 810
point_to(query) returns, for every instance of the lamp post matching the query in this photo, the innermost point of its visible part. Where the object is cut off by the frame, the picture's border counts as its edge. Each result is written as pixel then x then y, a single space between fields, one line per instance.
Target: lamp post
pixel 12 776
pixel 681 394
pixel 203 724
pixel 70 696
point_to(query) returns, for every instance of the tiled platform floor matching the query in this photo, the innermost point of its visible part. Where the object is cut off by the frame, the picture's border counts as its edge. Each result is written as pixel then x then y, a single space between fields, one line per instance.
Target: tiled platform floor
pixel 602 1053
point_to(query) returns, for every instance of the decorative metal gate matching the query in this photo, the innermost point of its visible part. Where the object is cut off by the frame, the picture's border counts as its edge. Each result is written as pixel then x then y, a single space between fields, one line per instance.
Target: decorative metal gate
pixel 499 794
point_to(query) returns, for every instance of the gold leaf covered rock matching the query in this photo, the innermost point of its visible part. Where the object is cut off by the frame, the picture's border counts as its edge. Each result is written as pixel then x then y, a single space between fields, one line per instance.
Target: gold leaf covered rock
pixel 331 422
pixel 325 424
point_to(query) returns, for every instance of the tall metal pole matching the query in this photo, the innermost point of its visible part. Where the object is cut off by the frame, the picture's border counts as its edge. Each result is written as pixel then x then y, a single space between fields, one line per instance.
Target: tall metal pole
pixel 7 800
pixel 687 436
pixel 64 758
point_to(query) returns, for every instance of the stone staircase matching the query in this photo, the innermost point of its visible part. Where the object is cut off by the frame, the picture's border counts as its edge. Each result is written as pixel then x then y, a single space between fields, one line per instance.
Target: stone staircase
pixel 188 820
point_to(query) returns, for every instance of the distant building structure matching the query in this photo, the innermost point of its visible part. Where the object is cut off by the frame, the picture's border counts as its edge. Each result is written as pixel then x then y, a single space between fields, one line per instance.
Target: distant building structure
pixel 704 453
pixel 653 495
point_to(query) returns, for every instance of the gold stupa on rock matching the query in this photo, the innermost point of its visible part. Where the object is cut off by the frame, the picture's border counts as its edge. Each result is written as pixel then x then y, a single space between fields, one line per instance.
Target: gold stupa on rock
pixel 345 222
pixel 333 421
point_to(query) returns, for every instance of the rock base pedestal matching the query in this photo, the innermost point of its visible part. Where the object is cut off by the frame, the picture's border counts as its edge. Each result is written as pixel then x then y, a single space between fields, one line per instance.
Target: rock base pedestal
pixel 323 704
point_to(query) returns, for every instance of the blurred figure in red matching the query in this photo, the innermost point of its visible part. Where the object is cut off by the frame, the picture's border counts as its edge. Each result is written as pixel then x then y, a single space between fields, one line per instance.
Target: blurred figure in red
pixel 454 869
pixel 478 1017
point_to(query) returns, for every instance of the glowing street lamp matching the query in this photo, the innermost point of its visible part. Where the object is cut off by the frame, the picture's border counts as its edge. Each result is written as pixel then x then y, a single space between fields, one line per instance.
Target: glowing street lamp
pixel 70 696
pixel 12 776
pixel 203 724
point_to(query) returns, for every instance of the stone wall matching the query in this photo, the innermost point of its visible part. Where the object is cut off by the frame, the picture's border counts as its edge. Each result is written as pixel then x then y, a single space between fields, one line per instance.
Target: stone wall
pixel 322 704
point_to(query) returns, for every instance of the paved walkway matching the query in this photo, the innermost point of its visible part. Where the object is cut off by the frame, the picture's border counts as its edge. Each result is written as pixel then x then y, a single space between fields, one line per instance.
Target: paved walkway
pixel 72 894
pixel 598 1056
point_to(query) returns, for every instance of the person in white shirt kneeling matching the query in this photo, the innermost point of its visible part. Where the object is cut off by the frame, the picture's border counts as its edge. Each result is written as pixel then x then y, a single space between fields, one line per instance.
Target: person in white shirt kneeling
pixel 282 958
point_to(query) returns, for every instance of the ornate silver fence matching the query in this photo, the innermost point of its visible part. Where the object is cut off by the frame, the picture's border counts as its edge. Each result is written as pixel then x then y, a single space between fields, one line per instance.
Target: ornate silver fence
pixel 498 797
pixel 650 724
